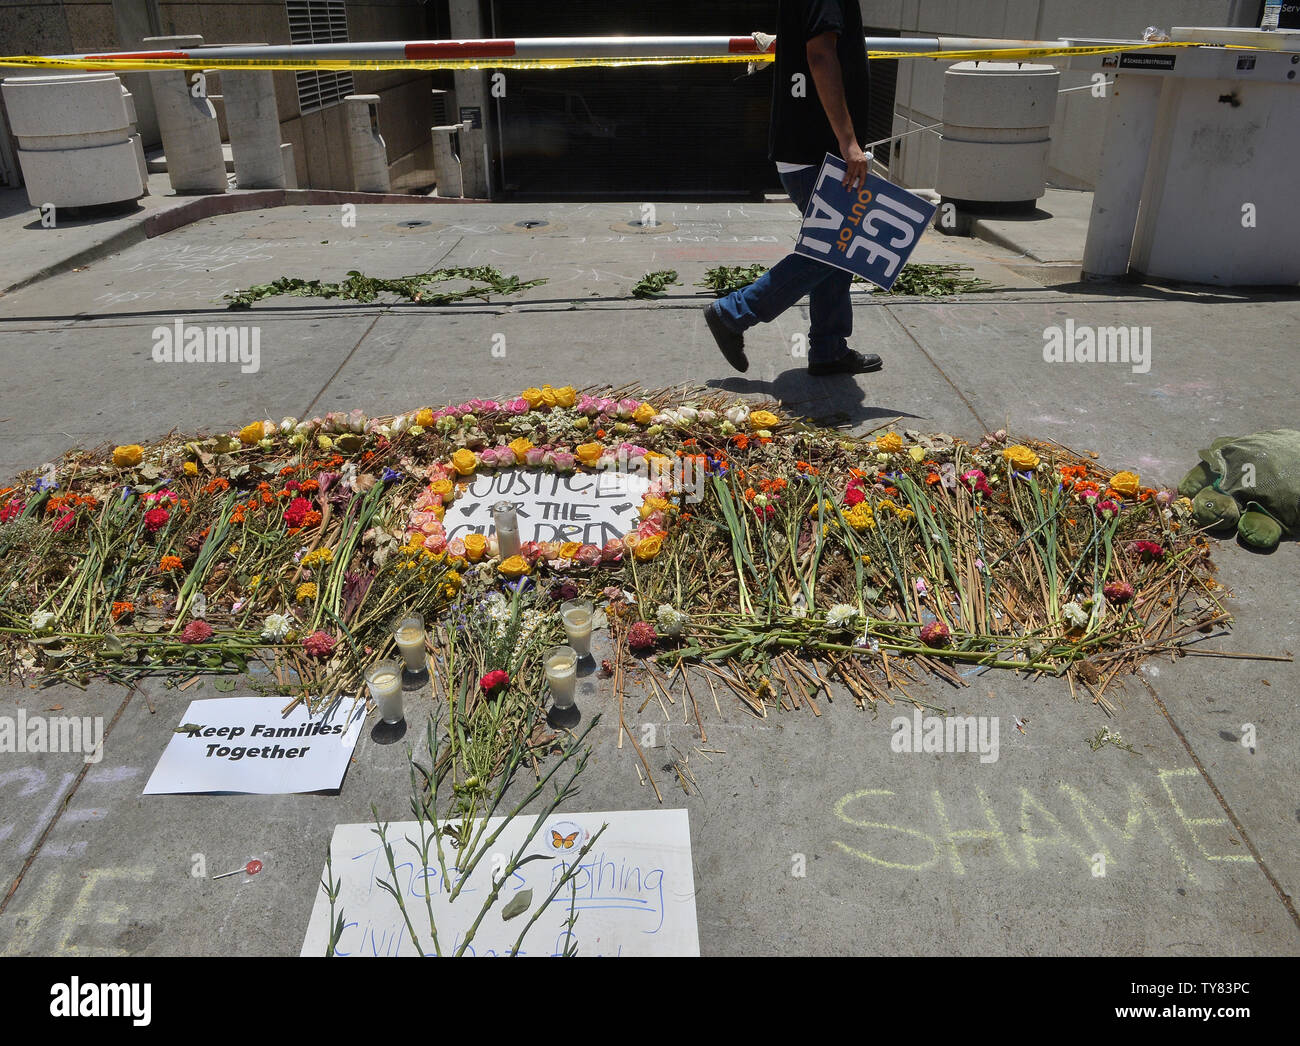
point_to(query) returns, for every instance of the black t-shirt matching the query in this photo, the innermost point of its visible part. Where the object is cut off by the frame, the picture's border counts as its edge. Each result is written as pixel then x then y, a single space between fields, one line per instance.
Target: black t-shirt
pixel 800 132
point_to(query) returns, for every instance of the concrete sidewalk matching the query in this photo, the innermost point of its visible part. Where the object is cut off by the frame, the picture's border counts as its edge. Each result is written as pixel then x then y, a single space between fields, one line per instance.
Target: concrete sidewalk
pixel 904 853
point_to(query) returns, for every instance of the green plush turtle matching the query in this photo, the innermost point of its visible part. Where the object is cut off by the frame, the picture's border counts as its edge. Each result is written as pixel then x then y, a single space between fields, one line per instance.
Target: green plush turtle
pixel 1251 483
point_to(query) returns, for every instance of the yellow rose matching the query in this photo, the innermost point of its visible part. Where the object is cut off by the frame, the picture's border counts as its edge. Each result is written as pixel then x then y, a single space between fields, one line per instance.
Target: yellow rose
pixel 565 396
pixel 589 453
pixel 521 446
pixel 442 488
pixel 513 567
pixel 648 548
pixel 424 417
pixel 890 443
pixel 1021 457
pixel 644 414
pixel 251 433
pixel 916 453
pixel 533 396
pixel 129 456
pixel 1126 483
pixel 475 547
pixel 653 456
pixel 763 419
pixel 191 468
pixel 464 462
pixel 569 549
pixel 652 505
pixel 437 510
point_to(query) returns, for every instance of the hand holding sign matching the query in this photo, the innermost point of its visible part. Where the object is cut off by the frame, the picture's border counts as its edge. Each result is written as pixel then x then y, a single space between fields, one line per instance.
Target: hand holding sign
pixel 870 232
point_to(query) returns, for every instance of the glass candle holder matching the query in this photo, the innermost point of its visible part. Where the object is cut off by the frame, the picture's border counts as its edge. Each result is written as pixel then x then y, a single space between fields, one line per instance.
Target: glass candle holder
pixel 384 681
pixel 408 634
pixel 506 521
pixel 562 675
pixel 576 617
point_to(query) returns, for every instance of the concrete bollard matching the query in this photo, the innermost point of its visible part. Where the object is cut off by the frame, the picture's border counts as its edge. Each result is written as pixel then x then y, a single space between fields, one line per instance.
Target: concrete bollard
pixel 997 120
pixel 446 164
pixel 288 166
pixel 136 142
pixel 254 124
pixel 73 133
pixel 369 154
pixel 191 137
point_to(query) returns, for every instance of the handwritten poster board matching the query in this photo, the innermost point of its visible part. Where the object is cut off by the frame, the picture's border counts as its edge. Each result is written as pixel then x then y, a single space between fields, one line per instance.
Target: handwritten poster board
pixel 245 744
pixel 871 231
pixel 635 890
pixel 589 507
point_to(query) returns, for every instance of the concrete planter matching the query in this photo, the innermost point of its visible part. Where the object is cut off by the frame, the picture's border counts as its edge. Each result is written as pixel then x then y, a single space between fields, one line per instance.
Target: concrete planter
pixel 74 137
pixel 997 119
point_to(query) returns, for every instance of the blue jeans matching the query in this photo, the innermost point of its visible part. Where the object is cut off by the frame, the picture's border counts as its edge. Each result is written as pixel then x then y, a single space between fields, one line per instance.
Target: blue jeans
pixel 791 278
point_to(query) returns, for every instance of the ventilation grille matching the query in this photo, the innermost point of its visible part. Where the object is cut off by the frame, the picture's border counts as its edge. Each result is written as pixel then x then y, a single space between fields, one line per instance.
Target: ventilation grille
pixel 319 22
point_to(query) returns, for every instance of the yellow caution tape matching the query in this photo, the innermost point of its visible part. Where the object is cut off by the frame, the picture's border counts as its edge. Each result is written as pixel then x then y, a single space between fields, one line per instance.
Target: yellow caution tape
pixel 130 64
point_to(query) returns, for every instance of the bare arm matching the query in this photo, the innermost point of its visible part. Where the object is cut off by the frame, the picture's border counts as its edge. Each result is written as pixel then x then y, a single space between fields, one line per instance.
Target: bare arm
pixel 824 63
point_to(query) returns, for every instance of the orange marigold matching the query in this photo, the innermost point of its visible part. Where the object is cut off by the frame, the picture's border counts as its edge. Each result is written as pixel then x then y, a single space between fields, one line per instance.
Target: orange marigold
pixel 122 609
pixel 170 563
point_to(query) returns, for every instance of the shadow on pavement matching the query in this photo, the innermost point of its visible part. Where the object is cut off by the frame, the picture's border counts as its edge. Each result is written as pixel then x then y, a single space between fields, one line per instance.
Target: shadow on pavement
pixel 833 402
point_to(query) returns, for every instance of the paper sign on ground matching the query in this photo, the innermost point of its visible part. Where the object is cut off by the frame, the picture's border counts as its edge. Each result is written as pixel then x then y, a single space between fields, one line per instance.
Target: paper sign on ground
pixel 871 231
pixel 245 744
pixel 587 507
pixel 635 890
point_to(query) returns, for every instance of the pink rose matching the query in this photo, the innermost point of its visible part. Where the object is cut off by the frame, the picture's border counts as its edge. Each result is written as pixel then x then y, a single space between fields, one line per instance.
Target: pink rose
pixel 612 552
pixel 626 408
pixel 535 456
pixel 588 405
pixel 588 555
pixel 563 460
pixel 419 519
pixel 436 543
pixel 519 406
pixel 531 551
pixel 632 450
pixel 456 547
pixel 653 524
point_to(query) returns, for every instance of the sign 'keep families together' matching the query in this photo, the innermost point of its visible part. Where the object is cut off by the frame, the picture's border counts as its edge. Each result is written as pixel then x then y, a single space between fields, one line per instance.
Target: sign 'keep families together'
pixel 870 232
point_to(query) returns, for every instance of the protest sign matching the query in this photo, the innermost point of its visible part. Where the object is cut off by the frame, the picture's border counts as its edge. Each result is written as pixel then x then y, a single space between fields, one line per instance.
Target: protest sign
pixel 588 507
pixel 871 232
pixel 245 744
pixel 633 893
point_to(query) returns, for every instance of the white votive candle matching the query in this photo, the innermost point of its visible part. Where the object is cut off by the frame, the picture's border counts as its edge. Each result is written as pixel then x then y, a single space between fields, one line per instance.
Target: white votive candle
pixel 562 675
pixel 409 636
pixel 506 521
pixel 576 617
pixel 385 683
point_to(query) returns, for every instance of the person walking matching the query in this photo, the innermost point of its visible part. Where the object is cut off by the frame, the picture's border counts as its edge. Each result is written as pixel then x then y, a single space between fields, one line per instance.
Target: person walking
pixel 819 105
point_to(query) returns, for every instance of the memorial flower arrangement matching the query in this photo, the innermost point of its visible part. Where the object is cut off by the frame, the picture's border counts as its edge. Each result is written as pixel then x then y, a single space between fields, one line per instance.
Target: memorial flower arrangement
pixel 774 552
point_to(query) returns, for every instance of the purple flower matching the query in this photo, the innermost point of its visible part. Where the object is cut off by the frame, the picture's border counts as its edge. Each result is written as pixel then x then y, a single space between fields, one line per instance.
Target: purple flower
pixel 391 475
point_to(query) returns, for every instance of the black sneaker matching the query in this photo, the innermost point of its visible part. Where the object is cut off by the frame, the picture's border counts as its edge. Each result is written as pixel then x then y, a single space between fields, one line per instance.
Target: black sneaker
pixel 731 343
pixel 851 362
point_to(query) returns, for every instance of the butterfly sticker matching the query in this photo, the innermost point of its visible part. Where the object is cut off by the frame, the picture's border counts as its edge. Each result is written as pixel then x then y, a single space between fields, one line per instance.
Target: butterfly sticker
pixel 565 835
